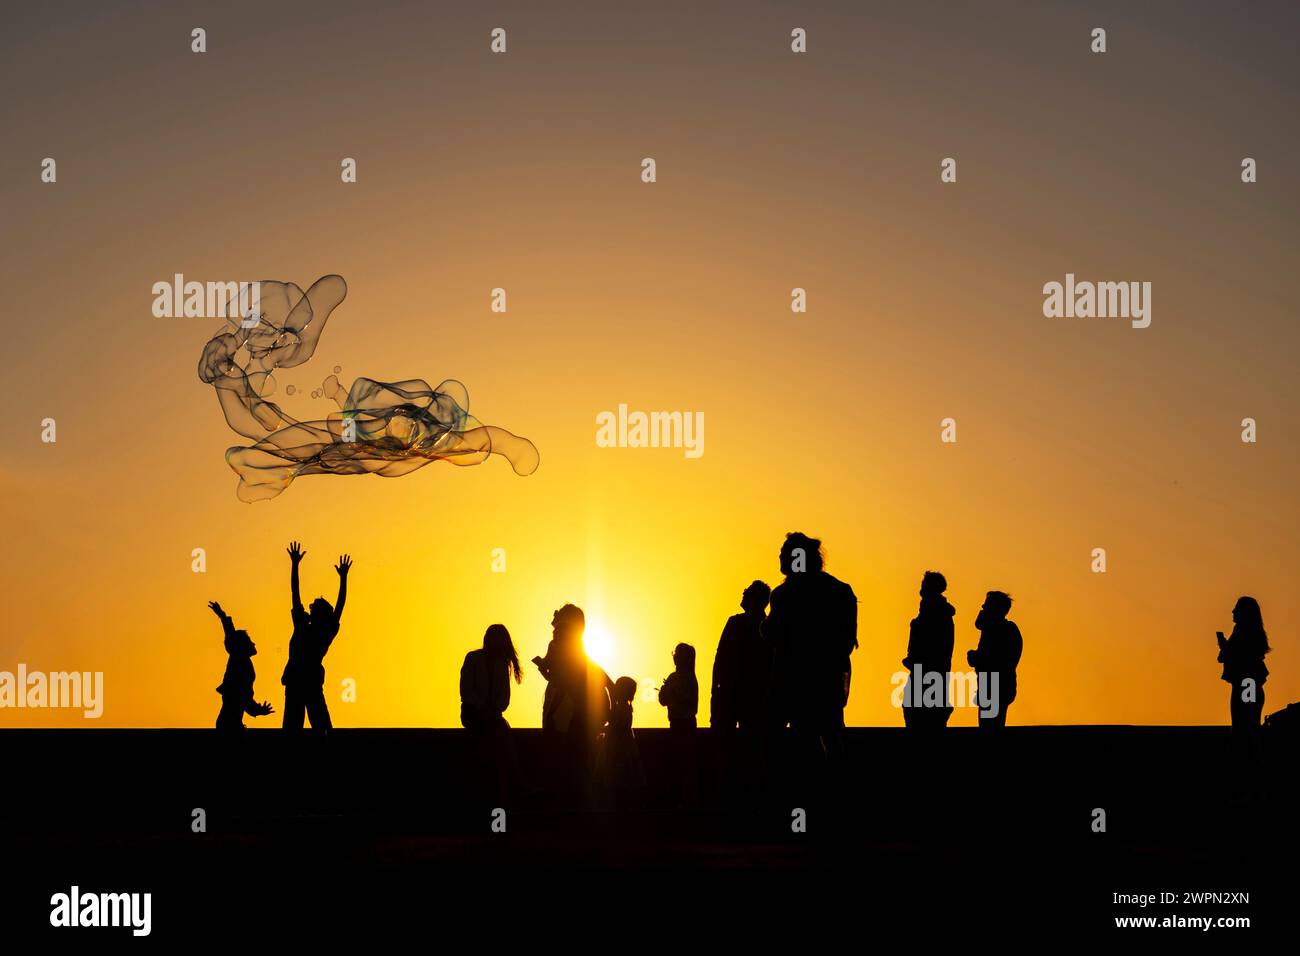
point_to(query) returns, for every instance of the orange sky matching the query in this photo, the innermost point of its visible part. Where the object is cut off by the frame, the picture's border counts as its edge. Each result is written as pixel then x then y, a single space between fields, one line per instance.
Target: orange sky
pixel 775 171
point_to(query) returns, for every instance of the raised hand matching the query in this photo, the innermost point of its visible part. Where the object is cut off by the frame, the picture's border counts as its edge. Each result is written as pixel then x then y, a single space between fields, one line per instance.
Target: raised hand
pixel 344 565
pixel 216 609
pixel 262 709
pixel 296 553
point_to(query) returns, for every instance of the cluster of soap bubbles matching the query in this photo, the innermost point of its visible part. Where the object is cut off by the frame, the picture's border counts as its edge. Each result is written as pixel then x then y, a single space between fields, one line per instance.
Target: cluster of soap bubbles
pixel 381 428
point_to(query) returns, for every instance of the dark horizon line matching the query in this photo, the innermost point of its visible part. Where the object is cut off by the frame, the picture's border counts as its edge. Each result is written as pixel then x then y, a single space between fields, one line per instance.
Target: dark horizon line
pixel 260 731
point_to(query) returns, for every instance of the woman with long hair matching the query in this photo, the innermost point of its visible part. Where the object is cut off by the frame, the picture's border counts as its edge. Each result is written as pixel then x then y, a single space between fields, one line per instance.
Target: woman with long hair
pixel 485 681
pixel 484 697
pixel 1242 657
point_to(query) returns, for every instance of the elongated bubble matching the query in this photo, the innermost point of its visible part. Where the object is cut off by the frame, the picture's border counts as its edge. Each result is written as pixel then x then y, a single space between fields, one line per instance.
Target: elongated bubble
pixel 381 428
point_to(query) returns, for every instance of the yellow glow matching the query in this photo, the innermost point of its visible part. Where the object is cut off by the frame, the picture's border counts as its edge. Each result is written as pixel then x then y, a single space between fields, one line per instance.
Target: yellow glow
pixel 599 644
pixel 1072 435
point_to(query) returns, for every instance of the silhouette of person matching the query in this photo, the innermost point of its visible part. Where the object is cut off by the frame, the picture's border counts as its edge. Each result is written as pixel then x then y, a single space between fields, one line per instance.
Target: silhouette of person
pixel 813 629
pixel 995 659
pixel 576 703
pixel 738 712
pixel 484 696
pixel 1242 657
pixel 313 633
pixel 485 681
pixel 236 688
pixel 742 666
pixel 926 701
pixel 619 761
pixel 576 688
pixel 567 625
pixel 680 693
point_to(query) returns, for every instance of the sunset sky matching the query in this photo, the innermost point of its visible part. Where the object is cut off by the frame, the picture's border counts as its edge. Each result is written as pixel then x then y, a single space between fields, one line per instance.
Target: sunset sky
pixel 775 171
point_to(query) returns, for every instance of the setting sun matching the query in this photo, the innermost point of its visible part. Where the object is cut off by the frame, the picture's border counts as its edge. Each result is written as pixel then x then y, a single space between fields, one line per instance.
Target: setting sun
pixel 598 644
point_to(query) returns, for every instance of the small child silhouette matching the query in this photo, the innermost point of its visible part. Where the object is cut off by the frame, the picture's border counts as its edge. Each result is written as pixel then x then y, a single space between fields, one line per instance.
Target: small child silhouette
pixel 680 693
pixel 236 688
pixel 620 758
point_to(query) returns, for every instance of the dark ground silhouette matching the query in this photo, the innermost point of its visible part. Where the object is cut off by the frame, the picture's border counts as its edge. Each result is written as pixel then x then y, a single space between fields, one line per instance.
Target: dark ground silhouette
pixel 384 834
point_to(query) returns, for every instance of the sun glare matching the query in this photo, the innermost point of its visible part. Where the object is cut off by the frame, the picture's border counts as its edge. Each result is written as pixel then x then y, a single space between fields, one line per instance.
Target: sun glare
pixel 598 644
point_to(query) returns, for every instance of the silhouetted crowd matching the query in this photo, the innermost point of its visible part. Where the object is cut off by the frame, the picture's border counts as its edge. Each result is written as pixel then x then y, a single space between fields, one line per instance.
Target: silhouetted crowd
pixel 781 677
